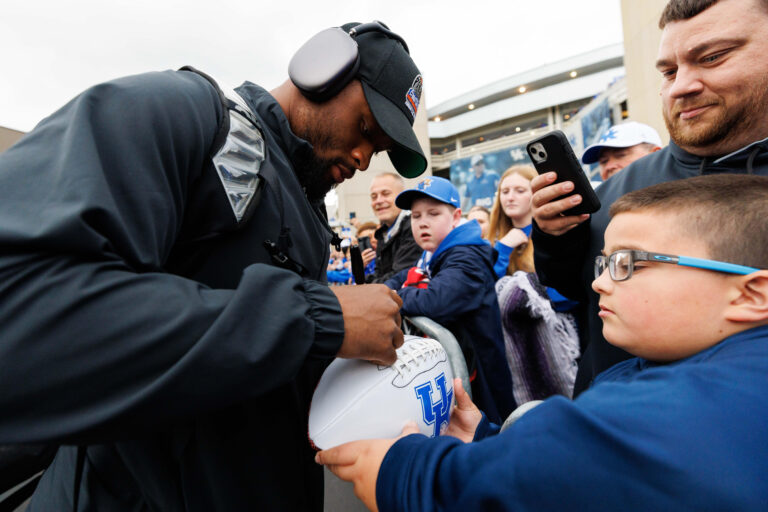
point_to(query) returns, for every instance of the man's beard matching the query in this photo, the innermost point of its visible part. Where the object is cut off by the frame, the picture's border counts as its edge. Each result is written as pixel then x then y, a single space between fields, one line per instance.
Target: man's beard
pixel 314 172
pixel 733 122
pixel 711 132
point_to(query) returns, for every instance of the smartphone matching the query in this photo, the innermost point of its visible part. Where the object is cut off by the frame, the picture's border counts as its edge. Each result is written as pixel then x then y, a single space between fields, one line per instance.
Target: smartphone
pixel 364 242
pixel 553 153
pixel 358 270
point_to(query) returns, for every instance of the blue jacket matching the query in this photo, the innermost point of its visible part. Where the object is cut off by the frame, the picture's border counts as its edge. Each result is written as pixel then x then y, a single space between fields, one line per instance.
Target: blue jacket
pixel 461 297
pixel 689 435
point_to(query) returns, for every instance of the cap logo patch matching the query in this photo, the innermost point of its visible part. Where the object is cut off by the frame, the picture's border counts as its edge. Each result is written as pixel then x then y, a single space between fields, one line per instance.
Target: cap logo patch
pixel 413 95
pixel 610 134
pixel 425 184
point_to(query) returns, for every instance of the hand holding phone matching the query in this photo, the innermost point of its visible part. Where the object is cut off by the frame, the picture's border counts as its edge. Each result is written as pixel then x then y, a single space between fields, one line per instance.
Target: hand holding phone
pixel 553 153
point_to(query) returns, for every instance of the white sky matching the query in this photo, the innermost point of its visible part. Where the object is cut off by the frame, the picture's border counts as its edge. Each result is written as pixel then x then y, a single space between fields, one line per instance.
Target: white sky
pixel 50 50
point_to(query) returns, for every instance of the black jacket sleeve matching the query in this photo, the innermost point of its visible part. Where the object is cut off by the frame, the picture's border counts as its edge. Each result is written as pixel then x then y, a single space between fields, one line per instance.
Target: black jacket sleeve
pixel 98 342
pixel 560 260
pixel 405 253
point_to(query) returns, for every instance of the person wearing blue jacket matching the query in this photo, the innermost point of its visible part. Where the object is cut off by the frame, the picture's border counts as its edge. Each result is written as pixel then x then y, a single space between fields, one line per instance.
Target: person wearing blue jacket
pixel 679 427
pixel 453 284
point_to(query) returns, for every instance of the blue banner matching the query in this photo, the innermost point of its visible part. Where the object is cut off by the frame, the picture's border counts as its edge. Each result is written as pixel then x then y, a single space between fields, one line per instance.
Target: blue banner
pixel 477 176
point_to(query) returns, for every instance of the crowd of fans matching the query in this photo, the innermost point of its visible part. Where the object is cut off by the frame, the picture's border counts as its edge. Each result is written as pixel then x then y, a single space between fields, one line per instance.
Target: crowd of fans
pixel 525 313
pixel 168 337
pixel 667 288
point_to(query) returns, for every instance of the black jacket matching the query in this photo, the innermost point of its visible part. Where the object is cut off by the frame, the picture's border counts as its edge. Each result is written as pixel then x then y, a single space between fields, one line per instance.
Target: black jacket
pixel 142 321
pixel 567 262
pixel 399 252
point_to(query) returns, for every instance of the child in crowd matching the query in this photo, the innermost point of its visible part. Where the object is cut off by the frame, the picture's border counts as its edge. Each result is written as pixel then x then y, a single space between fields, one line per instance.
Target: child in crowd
pixel 367 230
pixel 680 427
pixel 483 217
pixel 510 227
pixel 453 284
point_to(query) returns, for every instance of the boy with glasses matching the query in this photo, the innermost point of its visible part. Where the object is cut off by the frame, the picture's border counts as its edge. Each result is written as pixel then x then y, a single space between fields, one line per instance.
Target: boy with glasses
pixel 682 426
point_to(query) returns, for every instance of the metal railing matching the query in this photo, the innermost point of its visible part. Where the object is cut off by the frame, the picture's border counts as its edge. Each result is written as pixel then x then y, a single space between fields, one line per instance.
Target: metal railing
pixel 431 329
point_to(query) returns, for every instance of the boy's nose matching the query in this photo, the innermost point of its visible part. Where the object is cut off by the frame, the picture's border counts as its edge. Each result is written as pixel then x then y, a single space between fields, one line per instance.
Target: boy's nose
pixel 603 282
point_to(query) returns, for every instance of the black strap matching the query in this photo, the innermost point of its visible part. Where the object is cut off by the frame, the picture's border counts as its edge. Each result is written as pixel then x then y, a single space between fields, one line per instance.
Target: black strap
pixel 17 497
pixel 358 270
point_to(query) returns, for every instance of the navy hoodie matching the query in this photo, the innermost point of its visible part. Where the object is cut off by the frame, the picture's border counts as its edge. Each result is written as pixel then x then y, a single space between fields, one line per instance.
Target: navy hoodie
pixel 688 435
pixel 461 297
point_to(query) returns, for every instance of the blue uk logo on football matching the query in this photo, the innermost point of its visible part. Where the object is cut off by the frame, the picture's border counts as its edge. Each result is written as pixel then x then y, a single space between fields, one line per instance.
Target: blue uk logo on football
pixel 437 413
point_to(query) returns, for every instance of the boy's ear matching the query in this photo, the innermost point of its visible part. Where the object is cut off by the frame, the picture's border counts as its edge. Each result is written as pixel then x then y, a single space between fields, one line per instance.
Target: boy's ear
pixel 751 302
pixel 456 217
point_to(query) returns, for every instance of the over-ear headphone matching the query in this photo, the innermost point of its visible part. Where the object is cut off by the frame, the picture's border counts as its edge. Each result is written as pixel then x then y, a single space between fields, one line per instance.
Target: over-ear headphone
pixel 329 60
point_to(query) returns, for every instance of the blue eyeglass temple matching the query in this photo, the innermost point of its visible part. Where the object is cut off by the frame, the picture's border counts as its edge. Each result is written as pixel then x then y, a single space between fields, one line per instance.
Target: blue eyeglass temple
pixel 718 266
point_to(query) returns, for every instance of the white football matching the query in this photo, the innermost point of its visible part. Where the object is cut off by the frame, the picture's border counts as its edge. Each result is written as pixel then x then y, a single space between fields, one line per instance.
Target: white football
pixel 360 400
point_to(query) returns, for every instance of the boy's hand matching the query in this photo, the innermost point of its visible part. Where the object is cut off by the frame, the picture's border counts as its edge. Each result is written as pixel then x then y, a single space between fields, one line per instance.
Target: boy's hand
pixel 359 462
pixel 465 416
pixel 371 322
pixel 547 208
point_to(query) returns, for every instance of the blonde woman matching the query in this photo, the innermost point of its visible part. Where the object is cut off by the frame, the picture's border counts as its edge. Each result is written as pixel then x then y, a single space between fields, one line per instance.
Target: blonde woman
pixel 510 224
pixel 510 228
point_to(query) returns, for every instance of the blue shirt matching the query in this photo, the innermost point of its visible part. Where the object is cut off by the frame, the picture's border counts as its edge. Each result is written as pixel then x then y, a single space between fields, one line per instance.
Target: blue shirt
pixel 482 190
pixel 688 435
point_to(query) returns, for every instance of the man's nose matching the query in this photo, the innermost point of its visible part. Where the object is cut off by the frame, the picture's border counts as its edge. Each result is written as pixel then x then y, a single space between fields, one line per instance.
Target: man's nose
pixel 361 155
pixel 613 164
pixel 687 82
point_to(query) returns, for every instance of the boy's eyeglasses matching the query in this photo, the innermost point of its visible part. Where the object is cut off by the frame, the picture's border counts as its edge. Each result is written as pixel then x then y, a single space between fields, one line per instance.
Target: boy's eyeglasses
pixel 621 263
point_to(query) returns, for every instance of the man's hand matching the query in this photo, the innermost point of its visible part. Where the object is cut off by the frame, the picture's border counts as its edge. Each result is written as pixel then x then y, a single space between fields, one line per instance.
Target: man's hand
pixel 371 322
pixel 359 462
pixel 547 208
pixel 465 417
pixel 368 256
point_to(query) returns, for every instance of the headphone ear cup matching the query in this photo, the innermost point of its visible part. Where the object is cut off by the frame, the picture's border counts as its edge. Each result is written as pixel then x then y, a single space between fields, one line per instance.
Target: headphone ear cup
pixel 324 64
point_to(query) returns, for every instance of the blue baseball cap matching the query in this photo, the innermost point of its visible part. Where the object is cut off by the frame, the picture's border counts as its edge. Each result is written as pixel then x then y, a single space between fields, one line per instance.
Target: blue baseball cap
pixel 433 187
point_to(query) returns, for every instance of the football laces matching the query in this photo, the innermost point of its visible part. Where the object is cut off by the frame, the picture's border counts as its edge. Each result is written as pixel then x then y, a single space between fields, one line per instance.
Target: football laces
pixel 411 354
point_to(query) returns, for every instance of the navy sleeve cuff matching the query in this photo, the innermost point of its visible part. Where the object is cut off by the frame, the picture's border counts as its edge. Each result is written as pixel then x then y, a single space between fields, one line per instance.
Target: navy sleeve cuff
pixel 485 429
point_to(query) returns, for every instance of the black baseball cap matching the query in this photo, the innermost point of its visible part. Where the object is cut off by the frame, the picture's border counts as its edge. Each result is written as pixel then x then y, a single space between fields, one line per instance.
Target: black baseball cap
pixel 392 85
